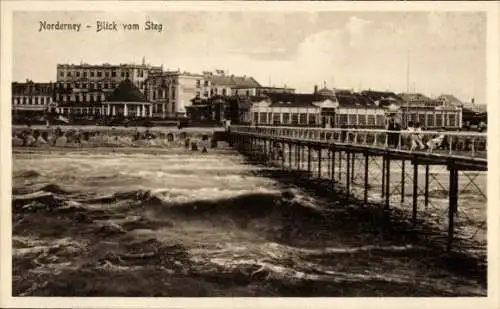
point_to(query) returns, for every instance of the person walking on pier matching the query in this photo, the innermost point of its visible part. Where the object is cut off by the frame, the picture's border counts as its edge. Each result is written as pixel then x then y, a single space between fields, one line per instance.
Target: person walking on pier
pixel 416 137
pixel 393 138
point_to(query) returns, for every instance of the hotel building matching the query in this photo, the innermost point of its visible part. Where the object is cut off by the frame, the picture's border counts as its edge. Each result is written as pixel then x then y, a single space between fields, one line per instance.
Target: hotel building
pixel 81 89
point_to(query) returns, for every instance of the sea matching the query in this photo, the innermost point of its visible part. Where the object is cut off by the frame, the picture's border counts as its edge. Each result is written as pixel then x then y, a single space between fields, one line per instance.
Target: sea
pixel 173 222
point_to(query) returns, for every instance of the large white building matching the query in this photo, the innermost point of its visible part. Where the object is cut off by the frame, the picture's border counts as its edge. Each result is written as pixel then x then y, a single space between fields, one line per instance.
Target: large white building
pixel 346 108
pixel 172 91
pixel 81 88
pixel 320 108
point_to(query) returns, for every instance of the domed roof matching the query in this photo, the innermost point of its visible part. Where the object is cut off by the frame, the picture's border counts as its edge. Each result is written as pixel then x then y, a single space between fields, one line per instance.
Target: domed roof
pixel 127 92
pixel 326 92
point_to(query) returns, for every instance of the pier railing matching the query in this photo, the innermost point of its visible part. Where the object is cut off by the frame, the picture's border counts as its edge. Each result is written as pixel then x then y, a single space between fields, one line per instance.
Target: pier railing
pixel 463 144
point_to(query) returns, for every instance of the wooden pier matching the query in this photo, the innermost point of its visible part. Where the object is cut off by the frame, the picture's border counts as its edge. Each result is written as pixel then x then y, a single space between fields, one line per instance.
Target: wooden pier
pixel 339 155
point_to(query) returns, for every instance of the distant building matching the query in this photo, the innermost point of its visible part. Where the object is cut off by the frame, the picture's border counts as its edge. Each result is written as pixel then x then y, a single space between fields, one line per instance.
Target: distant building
pixel 219 108
pixel 82 88
pixel 32 98
pixel 445 111
pixel 172 92
pixel 324 107
pixel 267 90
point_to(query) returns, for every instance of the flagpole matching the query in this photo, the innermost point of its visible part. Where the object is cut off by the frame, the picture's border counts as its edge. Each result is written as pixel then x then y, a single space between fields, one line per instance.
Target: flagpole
pixel 407 84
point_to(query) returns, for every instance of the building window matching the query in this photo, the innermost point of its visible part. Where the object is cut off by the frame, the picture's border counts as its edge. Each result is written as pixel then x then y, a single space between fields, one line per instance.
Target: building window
pixel 224 91
pixel 439 120
pixel 106 73
pixel 263 117
pixel 106 86
pixel 215 90
pixel 353 120
pixel 342 119
pixel 61 73
pixel 303 118
pixel 295 118
pixel 123 74
pixel 430 121
pixel 276 118
pixel 413 117
pixel 77 74
pixel 286 118
pixel 113 73
pixel 256 117
pixel 69 74
pixel 91 73
pixel 270 117
pixel 197 83
pixel 421 119
pixel 380 120
pixel 362 120
pixel 205 94
pixel 451 120
pixel 248 93
pixel 84 73
pixel 206 83
pixel 371 120
pixel 99 74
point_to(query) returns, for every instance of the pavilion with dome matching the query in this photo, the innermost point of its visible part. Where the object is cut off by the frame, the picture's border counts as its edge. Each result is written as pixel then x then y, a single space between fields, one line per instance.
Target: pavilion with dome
pixel 127 101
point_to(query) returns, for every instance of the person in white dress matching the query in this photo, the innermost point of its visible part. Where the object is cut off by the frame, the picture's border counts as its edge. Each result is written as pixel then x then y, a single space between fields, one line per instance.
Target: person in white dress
pixel 416 137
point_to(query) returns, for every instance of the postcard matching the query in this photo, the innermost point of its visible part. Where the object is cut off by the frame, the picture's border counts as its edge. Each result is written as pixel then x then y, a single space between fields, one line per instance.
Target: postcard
pixel 249 154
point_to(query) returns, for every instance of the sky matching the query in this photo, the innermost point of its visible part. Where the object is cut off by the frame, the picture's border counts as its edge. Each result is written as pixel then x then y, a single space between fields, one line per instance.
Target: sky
pixel 446 51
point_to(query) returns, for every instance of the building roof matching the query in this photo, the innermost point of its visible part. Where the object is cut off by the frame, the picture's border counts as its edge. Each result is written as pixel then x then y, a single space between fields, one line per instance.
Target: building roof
pixel 233 81
pixel 382 96
pixel 450 99
pixel 414 97
pixel 303 100
pixel 326 92
pixel 127 92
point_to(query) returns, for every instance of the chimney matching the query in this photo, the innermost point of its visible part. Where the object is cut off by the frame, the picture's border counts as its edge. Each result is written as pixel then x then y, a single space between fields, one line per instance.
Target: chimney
pixel 315 89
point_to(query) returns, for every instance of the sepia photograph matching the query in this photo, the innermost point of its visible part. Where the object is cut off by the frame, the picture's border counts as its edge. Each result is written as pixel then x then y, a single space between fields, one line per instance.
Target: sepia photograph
pixel 213 151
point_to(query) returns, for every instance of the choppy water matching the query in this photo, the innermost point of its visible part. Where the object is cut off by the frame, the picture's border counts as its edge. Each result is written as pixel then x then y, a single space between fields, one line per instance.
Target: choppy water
pixel 177 223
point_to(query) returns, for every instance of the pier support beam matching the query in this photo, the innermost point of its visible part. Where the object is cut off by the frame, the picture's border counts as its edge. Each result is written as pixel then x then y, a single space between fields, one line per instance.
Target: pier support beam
pixel 333 164
pixel 453 198
pixel 426 191
pixel 353 161
pixel 366 178
pixel 383 177
pixel 282 154
pixel 329 171
pixel 403 183
pixel 387 181
pixel 320 151
pixel 348 174
pixel 415 192
pixel 340 166
pixel 309 159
